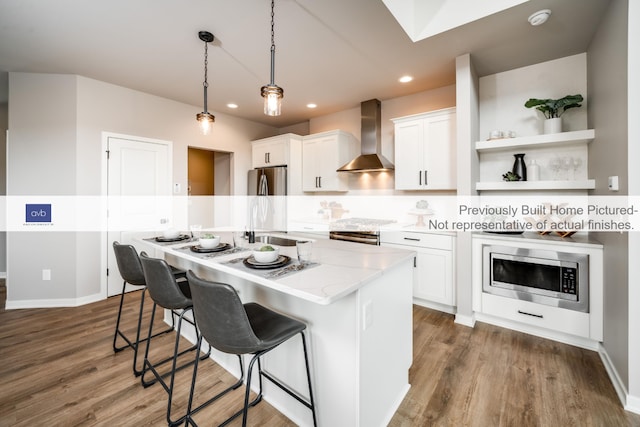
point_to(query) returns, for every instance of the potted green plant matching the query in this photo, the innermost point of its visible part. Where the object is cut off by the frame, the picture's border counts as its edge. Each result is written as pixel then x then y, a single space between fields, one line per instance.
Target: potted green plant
pixel 553 109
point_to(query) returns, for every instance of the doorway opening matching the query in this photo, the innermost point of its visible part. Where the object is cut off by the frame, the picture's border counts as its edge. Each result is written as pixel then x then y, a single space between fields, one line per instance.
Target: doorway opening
pixel 209 174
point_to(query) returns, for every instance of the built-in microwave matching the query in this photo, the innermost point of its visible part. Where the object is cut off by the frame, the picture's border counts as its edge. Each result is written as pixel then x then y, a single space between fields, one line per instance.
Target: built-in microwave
pixel 559 279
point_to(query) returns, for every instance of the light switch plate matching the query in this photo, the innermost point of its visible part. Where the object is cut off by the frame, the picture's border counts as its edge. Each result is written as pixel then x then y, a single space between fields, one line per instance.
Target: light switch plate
pixel 613 183
pixel 176 188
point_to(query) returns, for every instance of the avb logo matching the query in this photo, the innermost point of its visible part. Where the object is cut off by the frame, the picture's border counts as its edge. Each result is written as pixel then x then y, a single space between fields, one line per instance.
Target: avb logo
pixel 38 213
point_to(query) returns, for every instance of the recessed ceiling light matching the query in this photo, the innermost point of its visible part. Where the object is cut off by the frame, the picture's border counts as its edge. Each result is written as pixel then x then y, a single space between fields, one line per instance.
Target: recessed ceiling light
pixel 231 105
pixel 405 79
pixel 311 105
pixel 540 17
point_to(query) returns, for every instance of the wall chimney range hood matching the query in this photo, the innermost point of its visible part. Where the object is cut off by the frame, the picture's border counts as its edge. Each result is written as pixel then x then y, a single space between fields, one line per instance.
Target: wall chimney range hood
pixel 371 158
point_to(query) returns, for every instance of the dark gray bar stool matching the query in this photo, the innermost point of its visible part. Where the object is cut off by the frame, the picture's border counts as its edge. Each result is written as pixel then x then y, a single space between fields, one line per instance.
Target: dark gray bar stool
pixel 174 296
pixel 131 271
pixel 235 328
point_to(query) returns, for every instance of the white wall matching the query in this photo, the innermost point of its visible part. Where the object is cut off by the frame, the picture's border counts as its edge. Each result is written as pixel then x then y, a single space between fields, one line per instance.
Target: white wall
pixel 4 124
pixel 608 153
pixel 41 160
pixel 633 112
pixel 64 148
pixel 502 98
pixel 467 100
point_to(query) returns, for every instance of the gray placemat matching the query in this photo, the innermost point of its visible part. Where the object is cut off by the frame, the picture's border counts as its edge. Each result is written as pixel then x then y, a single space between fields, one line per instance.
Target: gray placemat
pixel 209 255
pixel 276 273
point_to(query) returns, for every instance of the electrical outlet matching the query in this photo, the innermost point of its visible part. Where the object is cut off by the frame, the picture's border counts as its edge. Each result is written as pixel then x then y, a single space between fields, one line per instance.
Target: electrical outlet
pixel 46 274
pixel 176 188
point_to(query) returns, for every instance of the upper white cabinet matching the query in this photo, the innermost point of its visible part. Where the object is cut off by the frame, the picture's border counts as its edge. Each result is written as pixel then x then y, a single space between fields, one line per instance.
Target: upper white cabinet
pixel 274 151
pixel 281 150
pixel 322 154
pixel 425 151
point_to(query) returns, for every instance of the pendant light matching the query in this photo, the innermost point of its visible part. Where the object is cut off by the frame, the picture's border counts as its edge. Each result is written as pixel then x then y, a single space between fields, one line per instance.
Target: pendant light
pixel 205 118
pixel 272 93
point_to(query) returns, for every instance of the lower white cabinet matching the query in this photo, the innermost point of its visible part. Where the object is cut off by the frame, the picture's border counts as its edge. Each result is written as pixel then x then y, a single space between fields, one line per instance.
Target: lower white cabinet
pixel 583 329
pixel 433 273
pixel 541 316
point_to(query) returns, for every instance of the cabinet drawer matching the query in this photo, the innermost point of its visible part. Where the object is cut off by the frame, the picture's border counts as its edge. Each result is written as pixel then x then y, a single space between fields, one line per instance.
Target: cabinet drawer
pixel 543 316
pixel 423 240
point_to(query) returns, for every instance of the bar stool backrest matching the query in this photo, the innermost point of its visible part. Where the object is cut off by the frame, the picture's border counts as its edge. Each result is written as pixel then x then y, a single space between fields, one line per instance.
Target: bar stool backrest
pixel 129 263
pixel 221 317
pixel 161 283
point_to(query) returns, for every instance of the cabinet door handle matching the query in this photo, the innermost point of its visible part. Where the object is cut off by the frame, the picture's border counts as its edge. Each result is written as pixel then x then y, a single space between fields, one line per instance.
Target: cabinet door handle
pixel 265 158
pixel 426 182
pixel 320 182
pixel 413 239
pixel 414 262
pixel 420 178
pixel 539 316
pixel 268 157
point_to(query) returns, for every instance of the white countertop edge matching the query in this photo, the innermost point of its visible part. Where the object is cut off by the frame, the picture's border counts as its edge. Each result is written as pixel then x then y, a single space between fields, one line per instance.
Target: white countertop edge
pixel 577 240
pixel 281 284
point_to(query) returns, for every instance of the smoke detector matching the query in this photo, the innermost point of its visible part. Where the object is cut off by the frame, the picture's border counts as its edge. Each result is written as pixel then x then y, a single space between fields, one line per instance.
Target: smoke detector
pixel 540 17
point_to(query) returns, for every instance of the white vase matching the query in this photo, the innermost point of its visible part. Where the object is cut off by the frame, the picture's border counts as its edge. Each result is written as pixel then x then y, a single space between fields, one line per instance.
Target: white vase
pixel 553 125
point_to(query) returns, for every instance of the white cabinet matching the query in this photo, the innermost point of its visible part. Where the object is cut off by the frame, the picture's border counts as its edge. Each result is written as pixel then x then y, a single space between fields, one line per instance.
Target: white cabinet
pixel 274 151
pixel 433 274
pixel 281 150
pixel 569 326
pixel 425 151
pixel 322 154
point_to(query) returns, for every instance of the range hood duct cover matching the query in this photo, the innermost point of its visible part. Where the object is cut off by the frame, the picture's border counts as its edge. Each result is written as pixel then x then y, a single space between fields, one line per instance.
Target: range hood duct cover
pixel 371 158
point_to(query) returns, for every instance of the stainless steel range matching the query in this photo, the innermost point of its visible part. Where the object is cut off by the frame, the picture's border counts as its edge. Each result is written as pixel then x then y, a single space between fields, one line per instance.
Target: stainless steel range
pixel 360 230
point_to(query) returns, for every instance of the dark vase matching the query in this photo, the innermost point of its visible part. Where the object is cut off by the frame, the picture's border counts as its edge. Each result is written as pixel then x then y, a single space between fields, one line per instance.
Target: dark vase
pixel 519 167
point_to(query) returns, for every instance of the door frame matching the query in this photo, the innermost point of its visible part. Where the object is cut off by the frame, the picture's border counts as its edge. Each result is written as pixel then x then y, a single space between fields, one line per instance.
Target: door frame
pixel 104 233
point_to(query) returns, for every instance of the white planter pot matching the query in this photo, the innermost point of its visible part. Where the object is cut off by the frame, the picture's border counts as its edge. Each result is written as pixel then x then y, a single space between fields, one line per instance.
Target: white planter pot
pixel 553 125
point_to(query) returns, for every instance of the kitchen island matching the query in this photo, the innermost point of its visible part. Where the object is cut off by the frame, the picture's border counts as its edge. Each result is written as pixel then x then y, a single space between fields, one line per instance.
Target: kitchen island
pixel 357 303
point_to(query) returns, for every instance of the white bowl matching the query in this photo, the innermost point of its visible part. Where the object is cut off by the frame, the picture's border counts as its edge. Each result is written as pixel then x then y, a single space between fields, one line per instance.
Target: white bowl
pixel 209 243
pixel 170 233
pixel 266 256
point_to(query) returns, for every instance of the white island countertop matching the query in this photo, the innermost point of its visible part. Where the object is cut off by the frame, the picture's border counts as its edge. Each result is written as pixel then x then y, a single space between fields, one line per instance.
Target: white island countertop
pixel 343 267
pixel 356 300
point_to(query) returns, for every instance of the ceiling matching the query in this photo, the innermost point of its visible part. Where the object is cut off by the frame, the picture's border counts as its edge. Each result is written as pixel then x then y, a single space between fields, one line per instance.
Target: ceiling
pixel 335 53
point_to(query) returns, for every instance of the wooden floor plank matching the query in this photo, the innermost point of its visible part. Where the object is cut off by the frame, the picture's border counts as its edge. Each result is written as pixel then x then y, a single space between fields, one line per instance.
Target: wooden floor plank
pixel 58 369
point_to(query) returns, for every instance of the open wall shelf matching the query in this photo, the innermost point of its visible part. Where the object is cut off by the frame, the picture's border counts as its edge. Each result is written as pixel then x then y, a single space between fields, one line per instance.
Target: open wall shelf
pixel 589 184
pixel 552 139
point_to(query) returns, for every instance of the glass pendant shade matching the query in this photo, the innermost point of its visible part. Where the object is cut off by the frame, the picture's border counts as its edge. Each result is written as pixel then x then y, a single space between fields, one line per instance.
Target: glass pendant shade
pixel 206 120
pixel 272 95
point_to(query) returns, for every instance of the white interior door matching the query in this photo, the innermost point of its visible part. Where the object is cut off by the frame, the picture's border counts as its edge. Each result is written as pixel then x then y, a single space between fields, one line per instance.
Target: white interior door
pixel 139 194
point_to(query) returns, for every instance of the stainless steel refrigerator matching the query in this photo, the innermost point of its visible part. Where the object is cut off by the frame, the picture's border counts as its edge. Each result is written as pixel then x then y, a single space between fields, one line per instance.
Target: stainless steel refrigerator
pixel 267 204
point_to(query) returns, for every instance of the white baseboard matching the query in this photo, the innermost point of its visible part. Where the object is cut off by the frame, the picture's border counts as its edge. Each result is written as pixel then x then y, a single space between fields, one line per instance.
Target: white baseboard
pixel 463 320
pixel 618 384
pixel 574 340
pixel 633 404
pixel 52 303
pixel 435 305
pixel 629 402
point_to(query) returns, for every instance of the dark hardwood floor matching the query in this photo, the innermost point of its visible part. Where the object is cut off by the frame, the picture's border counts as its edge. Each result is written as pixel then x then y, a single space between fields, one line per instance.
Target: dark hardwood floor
pixel 57 368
